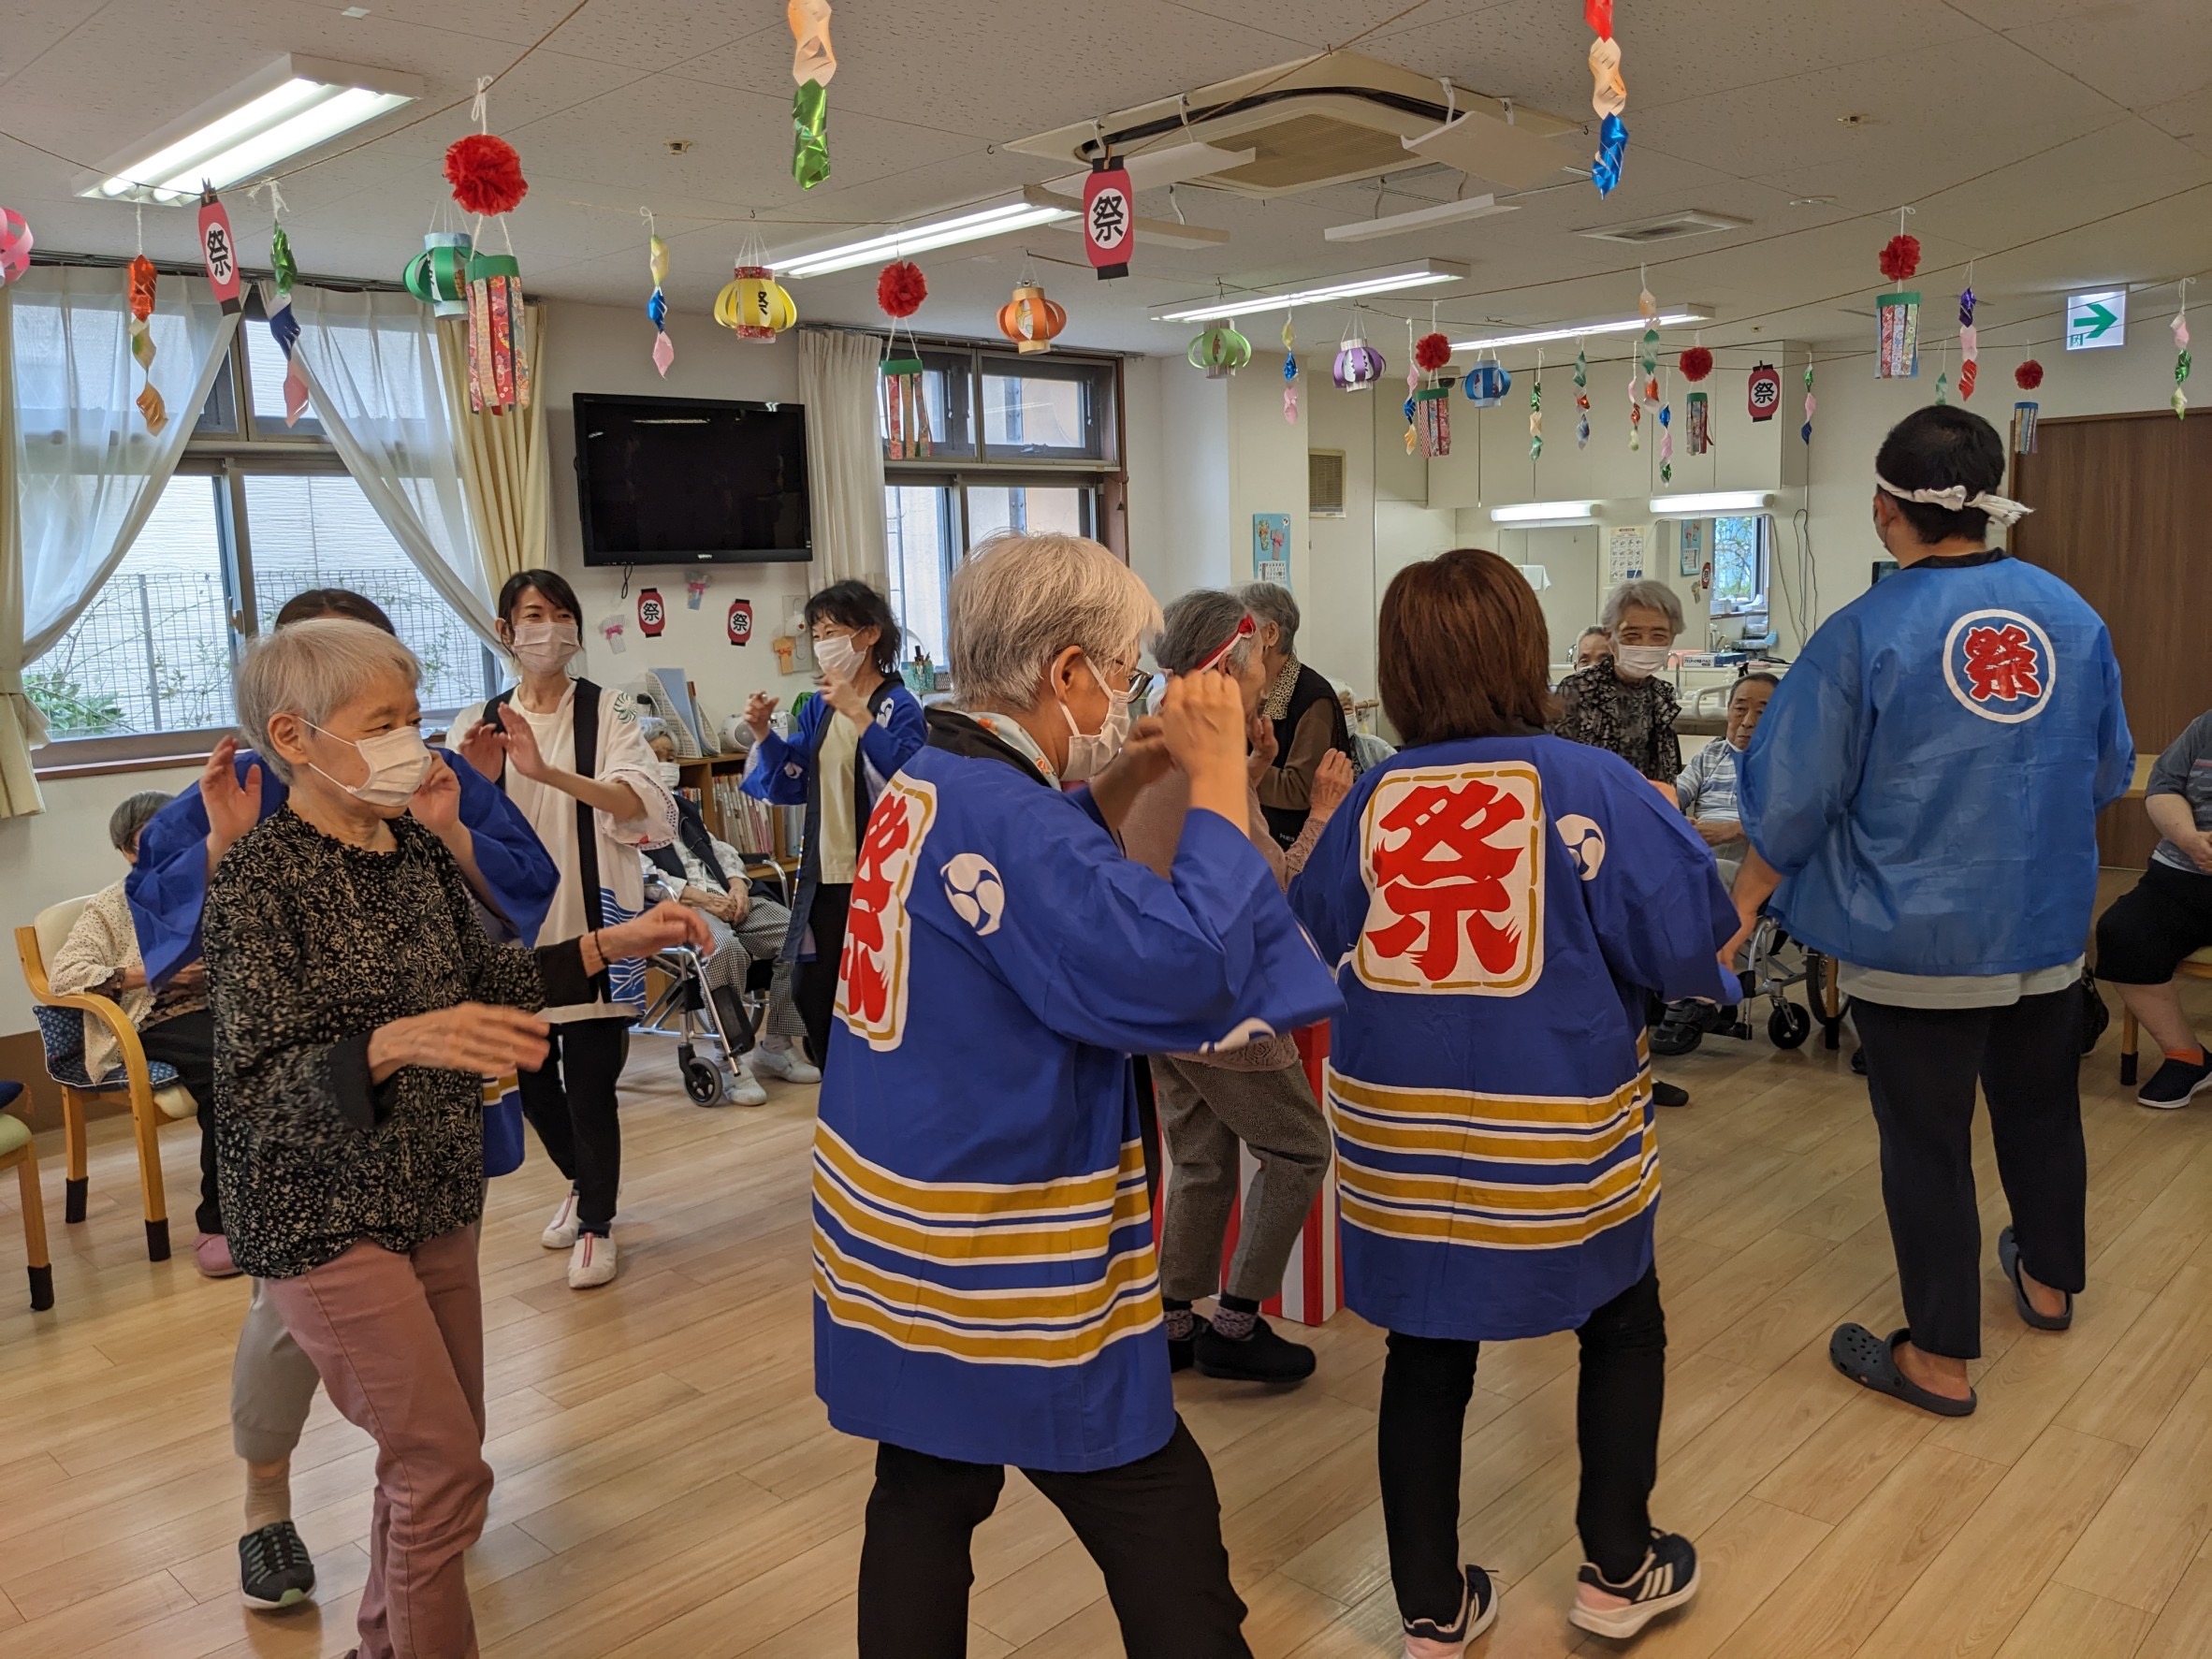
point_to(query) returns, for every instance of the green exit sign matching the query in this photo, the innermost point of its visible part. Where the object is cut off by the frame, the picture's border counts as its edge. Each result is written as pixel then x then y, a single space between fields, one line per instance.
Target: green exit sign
pixel 2095 321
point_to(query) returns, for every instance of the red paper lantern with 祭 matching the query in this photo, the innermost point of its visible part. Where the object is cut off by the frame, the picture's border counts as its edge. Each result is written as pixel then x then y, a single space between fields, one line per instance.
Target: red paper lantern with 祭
pixel 652 616
pixel 740 621
pixel 1109 219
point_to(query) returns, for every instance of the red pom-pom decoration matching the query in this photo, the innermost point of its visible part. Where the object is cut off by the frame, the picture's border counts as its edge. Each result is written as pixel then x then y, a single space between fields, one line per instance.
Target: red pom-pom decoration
pixel 485 174
pixel 901 288
pixel 1900 257
pixel 1430 352
pixel 2029 376
pixel 1695 364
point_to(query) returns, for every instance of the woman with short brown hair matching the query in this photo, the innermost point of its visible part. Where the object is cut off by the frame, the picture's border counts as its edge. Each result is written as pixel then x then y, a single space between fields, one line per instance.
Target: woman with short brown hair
pixel 1502 903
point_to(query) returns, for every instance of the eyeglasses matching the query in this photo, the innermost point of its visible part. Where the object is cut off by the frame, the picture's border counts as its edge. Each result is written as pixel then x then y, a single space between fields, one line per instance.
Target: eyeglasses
pixel 1141 681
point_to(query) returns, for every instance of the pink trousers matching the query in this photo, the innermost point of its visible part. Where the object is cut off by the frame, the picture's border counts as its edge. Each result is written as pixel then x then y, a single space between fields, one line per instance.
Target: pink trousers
pixel 399 1343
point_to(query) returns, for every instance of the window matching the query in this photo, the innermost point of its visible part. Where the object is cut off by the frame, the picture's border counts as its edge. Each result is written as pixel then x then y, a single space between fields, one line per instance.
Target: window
pixel 1742 553
pixel 255 513
pixel 1033 443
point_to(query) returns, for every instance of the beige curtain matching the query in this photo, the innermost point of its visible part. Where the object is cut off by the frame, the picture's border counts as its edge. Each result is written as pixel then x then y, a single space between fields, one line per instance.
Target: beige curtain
pixel 501 459
pixel 21 723
pixel 839 377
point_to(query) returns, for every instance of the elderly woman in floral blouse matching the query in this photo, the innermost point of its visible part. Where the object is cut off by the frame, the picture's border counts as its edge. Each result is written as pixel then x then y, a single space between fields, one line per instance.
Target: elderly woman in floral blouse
pixel 357 1006
pixel 1621 703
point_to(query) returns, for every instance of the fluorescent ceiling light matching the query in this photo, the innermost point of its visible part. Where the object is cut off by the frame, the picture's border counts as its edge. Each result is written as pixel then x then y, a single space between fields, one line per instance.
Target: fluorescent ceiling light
pixel 292 106
pixel 1393 279
pixel 1678 318
pixel 1450 212
pixel 1544 515
pixel 1712 501
pixel 1150 168
pixel 921 239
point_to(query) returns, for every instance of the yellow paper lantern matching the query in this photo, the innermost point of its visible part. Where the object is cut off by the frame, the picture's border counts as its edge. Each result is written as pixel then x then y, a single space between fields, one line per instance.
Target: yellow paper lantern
pixel 756 305
pixel 1031 320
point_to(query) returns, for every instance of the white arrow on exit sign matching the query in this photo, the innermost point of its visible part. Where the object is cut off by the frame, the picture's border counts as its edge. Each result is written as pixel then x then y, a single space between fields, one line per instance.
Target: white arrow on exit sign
pixel 2095 321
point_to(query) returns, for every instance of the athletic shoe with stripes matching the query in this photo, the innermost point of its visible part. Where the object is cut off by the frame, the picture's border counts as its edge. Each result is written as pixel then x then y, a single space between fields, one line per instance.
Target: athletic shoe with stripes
pixel 1666 1579
pixel 1478 1607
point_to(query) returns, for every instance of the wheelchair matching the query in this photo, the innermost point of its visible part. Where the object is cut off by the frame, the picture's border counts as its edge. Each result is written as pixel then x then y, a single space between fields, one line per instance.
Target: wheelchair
pixel 712 1027
pixel 1767 974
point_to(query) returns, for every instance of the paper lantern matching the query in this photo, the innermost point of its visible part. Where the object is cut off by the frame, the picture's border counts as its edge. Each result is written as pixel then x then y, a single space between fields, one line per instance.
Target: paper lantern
pixel 754 304
pixel 1359 365
pixel 499 335
pixel 1488 382
pixel 1031 320
pixel 1220 350
pixel 1762 392
pixel 439 275
pixel 15 245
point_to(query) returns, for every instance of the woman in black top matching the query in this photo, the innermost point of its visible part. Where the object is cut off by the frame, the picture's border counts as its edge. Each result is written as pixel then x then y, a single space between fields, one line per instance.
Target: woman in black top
pixel 1621 701
pixel 357 1006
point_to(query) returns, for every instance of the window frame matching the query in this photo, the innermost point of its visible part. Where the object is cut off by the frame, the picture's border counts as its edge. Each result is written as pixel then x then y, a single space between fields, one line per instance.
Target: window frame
pixel 1763 556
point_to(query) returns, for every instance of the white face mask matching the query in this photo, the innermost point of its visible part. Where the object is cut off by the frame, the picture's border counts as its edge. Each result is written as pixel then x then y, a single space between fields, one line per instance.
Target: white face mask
pixel 1639 661
pixel 398 762
pixel 543 647
pixel 671 774
pixel 1088 752
pixel 838 655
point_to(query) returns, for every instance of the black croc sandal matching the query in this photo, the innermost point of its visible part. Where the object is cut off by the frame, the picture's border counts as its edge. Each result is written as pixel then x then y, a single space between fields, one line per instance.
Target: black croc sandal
pixel 2008 1258
pixel 1870 1361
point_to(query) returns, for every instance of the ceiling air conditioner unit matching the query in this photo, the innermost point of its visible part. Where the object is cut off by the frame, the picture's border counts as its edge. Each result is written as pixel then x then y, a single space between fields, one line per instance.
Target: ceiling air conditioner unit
pixel 1331 119
pixel 1667 227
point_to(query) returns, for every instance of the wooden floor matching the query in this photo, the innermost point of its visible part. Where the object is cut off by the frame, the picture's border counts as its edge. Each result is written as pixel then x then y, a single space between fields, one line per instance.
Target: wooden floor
pixel 668 1485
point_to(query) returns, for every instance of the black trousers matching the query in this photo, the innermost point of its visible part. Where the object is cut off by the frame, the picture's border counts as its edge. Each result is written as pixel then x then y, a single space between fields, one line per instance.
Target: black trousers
pixel 1921 1066
pixel 814 986
pixel 570 1101
pixel 1427 1382
pixel 1154 1527
pixel 187 1041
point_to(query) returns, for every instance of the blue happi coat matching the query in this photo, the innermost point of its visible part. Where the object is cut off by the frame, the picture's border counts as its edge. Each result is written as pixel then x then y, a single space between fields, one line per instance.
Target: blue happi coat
pixel 1928 777
pixel 985 1287
pixel 1500 910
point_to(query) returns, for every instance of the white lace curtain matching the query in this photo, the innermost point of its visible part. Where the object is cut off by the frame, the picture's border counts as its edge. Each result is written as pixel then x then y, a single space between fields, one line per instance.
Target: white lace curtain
pixel 838 381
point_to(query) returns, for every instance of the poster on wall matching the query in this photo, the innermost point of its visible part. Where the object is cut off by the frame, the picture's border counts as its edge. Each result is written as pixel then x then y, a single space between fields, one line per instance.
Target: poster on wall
pixel 1626 549
pixel 1693 550
pixel 1271 547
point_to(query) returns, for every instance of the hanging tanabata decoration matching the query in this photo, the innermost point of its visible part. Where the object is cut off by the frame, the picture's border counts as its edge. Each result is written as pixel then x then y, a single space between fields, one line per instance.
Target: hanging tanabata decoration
pixel 218 250
pixel 754 305
pixel 15 245
pixel 1697 422
pixel 657 303
pixel 695 586
pixel 1109 219
pixel 1488 382
pixel 2181 363
pixel 1413 382
pixel 1635 409
pixel 487 178
pixel 1029 319
pixel 143 280
pixel 812 66
pixel 283 327
pixel 1762 392
pixel 900 290
pixel 1431 401
pixel 1970 344
pixel 1359 365
pixel 1897 355
pixel 439 275
pixel 1804 432
pixel 1942 385
pixel 1608 96
pixel 1666 442
pixel 1581 397
pixel 1289 373
pixel 1535 411
pixel 1220 350
pixel 1647 360
pixel 2028 376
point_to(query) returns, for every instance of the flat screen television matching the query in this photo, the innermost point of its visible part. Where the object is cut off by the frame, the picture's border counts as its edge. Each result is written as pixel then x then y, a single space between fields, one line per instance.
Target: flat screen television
pixel 692 481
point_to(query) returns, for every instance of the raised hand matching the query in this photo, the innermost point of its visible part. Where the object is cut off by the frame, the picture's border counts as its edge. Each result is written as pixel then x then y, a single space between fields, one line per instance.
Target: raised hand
pixel 666 923
pixel 758 708
pixel 1202 721
pixel 1262 732
pixel 484 746
pixel 1332 782
pixel 436 805
pixel 233 806
pixel 521 743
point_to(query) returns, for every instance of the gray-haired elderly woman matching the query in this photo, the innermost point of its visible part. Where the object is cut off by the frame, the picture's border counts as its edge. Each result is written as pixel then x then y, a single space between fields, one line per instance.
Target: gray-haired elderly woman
pixel 1305 719
pixel 985 1287
pixel 1212 1105
pixel 357 1006
pixel 1622 703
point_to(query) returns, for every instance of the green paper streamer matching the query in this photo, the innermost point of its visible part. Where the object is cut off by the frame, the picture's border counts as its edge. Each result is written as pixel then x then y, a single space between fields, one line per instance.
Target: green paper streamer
pixel 280 263
pixel 809 120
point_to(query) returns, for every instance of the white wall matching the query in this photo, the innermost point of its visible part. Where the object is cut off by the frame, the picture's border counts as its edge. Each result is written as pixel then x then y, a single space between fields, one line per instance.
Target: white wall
pixel 1179 492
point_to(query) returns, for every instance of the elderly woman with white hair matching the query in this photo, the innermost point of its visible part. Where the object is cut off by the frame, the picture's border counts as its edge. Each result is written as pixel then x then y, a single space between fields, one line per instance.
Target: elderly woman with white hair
pixel 1305 720
pixel 986 1288
pixel 357 1006
pixel 1621 703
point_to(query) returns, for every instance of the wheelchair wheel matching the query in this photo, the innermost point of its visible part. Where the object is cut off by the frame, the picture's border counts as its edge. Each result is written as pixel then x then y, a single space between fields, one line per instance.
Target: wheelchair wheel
pixel 1788 1026
pixel 702 1081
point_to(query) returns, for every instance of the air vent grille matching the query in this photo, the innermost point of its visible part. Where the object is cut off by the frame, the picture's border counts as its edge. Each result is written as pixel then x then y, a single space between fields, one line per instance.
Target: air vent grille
pixel 1324 483
pixel 1668 227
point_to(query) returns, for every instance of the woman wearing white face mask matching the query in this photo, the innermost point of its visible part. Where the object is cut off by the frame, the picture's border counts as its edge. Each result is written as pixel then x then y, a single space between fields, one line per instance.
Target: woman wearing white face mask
pixel 851 739
pixel 1624 702
pixel 574 758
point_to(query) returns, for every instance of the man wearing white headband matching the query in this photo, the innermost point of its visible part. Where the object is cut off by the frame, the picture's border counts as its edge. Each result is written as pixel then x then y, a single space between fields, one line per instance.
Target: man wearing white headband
pixel 1925 782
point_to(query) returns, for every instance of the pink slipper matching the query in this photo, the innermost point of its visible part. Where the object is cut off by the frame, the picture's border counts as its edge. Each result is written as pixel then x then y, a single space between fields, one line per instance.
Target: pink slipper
pixel 211 1251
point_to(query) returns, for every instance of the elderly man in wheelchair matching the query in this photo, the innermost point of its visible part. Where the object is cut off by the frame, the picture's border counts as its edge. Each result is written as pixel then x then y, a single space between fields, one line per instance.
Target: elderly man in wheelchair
pixel 719 995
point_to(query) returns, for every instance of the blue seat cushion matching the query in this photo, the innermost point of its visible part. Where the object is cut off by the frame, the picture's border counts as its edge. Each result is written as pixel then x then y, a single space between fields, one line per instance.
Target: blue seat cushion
pixel 61 1030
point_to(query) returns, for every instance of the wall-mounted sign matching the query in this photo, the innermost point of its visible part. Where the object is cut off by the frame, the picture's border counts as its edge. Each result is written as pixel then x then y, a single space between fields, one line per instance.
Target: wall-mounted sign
pixel 2095 321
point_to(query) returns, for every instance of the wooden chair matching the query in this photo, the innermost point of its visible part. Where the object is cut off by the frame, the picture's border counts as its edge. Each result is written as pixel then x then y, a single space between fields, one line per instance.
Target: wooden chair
pixel 155 1096
pixel 2198 966
pixel 17 1148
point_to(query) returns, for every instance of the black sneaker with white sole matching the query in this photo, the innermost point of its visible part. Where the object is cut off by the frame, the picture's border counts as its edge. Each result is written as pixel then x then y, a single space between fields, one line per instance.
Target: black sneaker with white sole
pixel 1262 1357
pixel 2176 1083
pixel 1666 1579
pixel 274 1569
pixel 1425 1638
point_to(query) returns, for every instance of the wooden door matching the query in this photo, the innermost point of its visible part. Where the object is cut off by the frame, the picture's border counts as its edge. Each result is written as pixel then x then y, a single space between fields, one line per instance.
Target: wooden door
pixel 2123 513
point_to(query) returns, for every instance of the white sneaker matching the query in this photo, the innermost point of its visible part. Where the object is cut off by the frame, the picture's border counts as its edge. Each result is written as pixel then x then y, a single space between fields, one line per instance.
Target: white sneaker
pixel 786 1063
pixel 591 1262
pixel 561 1232
pixel 742 1088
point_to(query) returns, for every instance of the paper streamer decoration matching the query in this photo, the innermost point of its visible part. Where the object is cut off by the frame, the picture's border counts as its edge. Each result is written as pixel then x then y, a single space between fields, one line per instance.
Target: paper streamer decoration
pixel 1804 432
pixel 1582 395
pixel 1970 344
pixel 1666 443
pixel 1109 219
pixel 1290 374
pixel 498 336
pixel 657 306
pixel 1897 354
pixel 1635 409
pixel 906 412
pixel 218 251
pixel 1697 423
pixel 1359 365
pixel 1220 350
pixel 1608 96
pixel 1536 412
pixel 15 245
pixel 1433 417
pixel 143 280
pixel 2024 428
pixel 754 304
pixel 1647 360
pixel 283 327
pixel 2181 361
pixel 1413 435
pixel 439 275
pixel 812 66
